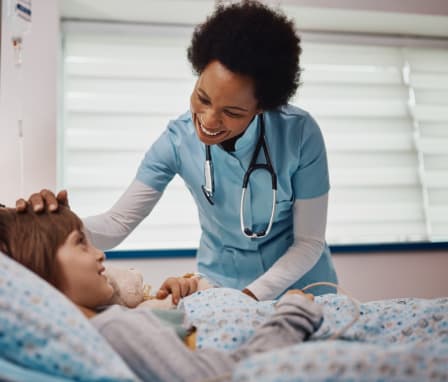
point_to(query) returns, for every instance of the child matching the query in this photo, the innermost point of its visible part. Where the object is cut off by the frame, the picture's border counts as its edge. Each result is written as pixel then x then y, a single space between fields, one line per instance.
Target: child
pixel 54 246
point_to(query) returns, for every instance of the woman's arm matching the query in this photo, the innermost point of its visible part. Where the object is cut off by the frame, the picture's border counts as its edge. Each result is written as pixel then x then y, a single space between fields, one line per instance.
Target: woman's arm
pixel 310 219
pixel 109 229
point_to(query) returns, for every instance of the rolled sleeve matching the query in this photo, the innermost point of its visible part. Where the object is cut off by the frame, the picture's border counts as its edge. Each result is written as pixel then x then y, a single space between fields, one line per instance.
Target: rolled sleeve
pixel 159 165
pixel 311 178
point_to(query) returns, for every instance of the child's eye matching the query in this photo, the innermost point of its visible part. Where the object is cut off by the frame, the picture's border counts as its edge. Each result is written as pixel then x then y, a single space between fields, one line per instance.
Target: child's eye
pixel 82 240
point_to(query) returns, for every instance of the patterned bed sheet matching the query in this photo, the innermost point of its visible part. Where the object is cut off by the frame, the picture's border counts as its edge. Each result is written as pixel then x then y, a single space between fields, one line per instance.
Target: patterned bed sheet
pixel 393 340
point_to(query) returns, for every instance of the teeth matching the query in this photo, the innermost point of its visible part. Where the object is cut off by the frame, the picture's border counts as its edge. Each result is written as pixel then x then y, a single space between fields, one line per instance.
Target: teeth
pixel 205 131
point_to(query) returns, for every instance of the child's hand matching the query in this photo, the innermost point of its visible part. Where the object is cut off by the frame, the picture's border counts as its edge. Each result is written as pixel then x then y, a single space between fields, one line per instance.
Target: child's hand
pixel 309 296
pixel 155 303
pixel 178 287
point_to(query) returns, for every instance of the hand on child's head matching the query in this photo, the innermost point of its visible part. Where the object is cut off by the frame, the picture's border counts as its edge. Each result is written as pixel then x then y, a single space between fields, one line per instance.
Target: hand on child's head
pixel 309 296
pixel 43 200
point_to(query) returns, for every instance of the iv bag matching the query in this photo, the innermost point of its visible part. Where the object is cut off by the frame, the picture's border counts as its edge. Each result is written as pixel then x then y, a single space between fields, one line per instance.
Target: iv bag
pixel 19 14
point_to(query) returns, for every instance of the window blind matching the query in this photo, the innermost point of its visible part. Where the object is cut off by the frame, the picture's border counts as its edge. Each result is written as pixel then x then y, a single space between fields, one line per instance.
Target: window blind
pixel 382 110
pixel 426 76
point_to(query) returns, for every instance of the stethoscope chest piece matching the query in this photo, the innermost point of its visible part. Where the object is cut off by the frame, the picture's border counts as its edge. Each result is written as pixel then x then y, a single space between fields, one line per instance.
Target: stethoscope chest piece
pixel 209 188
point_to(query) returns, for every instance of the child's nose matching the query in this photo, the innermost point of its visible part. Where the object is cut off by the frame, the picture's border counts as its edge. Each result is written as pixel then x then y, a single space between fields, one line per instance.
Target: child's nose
pixel 100 255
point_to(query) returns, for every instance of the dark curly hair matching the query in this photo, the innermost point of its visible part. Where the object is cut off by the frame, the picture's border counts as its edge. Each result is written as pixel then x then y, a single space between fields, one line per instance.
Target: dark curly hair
pixel 253 40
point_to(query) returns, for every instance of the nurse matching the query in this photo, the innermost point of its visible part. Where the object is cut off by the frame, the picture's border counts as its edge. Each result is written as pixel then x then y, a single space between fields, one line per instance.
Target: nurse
pixel 256 166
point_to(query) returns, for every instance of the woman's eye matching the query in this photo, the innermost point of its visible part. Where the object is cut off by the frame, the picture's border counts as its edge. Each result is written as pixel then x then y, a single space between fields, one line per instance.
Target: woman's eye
pixel 203 100
pixel 233 115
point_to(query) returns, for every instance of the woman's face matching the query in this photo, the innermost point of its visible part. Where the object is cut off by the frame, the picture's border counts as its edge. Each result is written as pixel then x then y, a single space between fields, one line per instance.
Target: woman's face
pixel 222 104
pixel 81 272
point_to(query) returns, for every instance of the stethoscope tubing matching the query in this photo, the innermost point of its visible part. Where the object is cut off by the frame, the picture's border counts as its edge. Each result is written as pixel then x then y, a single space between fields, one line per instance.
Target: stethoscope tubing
pixel 209 187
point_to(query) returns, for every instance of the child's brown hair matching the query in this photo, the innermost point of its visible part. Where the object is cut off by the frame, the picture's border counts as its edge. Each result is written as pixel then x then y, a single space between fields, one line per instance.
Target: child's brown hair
pixel 33 239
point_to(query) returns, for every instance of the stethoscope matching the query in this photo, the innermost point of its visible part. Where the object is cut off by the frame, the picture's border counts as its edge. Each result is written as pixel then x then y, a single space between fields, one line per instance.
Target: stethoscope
pixel 209 188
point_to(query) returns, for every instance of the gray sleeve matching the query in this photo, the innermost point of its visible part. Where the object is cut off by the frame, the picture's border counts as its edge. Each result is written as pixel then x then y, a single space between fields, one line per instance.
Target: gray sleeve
pixel 155 353
pixel 109 229
pixel 295 319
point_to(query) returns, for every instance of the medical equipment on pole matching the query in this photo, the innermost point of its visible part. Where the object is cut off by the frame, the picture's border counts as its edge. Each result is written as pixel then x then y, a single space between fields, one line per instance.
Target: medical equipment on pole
pixel 20 15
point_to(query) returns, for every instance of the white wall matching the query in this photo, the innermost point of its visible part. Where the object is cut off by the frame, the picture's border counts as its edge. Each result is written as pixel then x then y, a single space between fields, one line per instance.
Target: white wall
pixel 366 277
pixel 40 100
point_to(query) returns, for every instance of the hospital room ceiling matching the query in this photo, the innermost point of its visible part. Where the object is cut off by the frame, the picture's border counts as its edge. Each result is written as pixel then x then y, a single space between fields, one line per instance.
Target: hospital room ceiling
pixel 390 17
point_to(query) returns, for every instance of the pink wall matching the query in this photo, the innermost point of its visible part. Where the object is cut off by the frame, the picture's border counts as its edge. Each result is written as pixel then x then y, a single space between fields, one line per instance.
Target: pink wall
pixel 39 96
pixel 388 275
pixel 365 276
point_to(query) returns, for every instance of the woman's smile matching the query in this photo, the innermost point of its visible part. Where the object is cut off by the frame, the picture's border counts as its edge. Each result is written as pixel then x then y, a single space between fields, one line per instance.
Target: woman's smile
pixel 222 104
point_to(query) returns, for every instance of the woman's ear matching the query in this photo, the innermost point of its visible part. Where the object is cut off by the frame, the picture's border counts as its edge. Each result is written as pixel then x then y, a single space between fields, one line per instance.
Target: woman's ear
pixel 3 248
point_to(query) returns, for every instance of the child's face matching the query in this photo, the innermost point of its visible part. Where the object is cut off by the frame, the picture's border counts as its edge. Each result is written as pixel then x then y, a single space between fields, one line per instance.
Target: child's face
pixel 81 267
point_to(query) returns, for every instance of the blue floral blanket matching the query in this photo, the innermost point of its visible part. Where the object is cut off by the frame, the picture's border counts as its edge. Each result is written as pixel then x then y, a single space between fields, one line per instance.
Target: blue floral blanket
pixel 393 340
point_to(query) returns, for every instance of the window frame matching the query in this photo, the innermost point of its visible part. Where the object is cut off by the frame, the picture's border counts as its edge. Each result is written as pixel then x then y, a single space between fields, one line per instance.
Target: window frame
pixel 309 36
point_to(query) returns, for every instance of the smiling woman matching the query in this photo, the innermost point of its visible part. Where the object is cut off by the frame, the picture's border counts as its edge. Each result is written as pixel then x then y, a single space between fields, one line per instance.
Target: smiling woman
pixel 263 232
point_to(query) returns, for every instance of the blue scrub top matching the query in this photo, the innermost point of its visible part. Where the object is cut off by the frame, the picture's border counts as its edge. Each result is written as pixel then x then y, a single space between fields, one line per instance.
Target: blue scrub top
pixel 298 155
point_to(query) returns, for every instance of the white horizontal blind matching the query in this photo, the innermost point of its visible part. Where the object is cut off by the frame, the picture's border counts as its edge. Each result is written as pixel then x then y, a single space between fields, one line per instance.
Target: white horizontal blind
pixel 121 89
pixel 426 74
pixel 358 96
pixel 120 92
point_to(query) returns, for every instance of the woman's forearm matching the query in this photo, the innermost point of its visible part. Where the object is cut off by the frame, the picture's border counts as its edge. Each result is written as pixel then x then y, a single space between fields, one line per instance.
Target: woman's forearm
pixel 109 229
pixel 310 217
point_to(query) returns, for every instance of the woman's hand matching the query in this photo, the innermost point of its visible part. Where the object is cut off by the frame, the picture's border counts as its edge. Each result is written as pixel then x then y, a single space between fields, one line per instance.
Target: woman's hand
pixel 309 296
pixel 43 200
pixel 178 287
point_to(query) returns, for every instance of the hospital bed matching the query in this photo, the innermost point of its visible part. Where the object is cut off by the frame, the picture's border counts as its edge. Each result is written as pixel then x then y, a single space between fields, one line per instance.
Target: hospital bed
pixel 393 340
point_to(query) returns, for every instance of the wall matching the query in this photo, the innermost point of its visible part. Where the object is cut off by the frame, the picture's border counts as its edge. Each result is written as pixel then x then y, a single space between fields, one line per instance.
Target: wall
pixel 365 276
pixel 38 90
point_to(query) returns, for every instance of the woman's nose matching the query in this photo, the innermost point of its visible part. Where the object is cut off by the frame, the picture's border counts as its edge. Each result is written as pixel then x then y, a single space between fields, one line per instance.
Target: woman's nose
pixel 211 120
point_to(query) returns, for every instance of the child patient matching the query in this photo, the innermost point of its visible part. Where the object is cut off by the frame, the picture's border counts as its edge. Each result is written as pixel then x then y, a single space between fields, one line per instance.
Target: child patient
pixel 54 246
